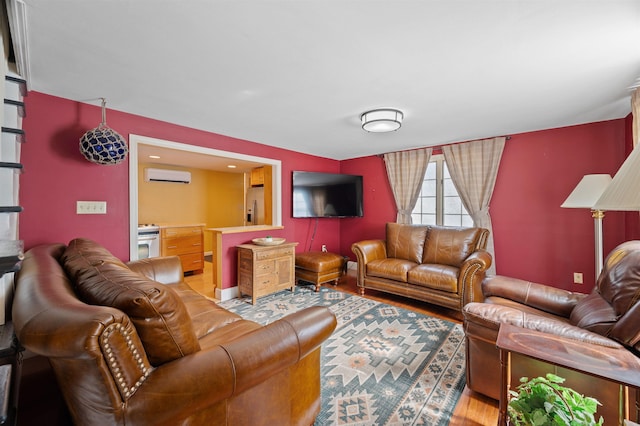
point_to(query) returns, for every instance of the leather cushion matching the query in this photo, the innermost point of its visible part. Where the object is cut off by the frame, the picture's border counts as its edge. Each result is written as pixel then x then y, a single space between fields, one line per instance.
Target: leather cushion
pixel 392 269
pixel 594 313
pixel 546 298
pixel 438 277
pixel 158 314
pixel 318 261
pixel 405 241
pixel 619 281
pixel 449 245
pixel 206 315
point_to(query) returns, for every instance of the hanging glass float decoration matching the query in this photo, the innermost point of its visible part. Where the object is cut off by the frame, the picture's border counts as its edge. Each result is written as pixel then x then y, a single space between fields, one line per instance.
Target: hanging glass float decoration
pixel 103 145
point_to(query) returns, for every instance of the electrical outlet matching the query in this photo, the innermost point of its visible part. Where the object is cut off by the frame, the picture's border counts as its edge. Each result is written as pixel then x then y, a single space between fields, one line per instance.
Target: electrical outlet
pixel 324 248
pixel 577 278
pixel 91 207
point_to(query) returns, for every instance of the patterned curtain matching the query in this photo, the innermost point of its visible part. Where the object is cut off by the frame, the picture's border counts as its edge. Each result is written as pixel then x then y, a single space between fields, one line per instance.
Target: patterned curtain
pixel 405 170
pixel 473 167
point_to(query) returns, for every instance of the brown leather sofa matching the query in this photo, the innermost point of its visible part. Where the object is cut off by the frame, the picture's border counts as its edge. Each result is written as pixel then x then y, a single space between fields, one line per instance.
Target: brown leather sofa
pixel 134 345
pixel 608 317
pixel 435 264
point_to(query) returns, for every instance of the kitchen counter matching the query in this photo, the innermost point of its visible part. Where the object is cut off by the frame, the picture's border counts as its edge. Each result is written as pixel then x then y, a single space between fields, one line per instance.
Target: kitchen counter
pixel 240 229
pixel 179 225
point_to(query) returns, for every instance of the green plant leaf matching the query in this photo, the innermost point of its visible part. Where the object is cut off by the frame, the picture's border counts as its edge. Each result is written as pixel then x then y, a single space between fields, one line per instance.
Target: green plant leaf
pixel 542 401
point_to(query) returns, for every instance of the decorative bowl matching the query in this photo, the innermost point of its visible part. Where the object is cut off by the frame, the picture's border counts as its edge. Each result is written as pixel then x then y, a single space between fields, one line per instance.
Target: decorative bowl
pixel 268 241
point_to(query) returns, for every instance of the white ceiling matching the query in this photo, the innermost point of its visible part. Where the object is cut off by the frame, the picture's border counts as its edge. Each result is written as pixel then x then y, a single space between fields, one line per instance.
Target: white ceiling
pixel 297 74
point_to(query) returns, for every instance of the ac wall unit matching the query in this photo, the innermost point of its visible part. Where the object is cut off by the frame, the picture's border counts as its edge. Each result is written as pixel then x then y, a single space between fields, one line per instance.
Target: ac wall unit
pixel 164 175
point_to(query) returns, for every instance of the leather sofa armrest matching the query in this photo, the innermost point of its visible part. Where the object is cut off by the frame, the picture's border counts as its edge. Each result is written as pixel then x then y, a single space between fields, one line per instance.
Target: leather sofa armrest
pixel 490 316
pixel 546 298
pixel 472 273
pixel 234 367
pixel 367 251
pixel 165 270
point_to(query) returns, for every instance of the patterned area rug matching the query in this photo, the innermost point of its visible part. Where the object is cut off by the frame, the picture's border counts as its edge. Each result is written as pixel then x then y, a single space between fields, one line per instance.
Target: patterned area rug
pixel 383 365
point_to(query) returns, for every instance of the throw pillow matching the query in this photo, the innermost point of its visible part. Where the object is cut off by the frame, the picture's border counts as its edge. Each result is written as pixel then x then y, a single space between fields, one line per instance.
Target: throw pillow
pixel 158 314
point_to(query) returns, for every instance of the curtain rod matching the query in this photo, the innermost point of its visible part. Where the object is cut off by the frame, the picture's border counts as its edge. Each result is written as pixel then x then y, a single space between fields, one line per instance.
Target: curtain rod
pixel 507 137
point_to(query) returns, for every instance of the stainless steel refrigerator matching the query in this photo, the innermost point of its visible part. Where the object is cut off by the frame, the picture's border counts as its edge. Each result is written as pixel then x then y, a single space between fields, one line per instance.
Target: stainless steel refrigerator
pixel 255 206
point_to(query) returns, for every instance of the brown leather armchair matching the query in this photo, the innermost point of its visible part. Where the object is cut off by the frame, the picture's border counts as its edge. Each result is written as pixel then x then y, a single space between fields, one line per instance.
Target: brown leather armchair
pixel 132 344
pixel 607 317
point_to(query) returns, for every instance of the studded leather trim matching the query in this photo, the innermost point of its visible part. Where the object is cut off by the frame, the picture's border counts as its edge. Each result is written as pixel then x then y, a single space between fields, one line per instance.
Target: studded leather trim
pixel 125 357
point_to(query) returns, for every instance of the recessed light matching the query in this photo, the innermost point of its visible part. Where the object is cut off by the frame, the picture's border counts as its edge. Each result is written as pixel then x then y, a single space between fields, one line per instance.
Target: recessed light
pixel 155 157
pixel 231 166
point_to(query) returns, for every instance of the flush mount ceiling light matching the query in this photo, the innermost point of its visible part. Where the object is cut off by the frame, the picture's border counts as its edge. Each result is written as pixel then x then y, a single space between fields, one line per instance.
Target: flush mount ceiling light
pixel 381 120
pixel 103 145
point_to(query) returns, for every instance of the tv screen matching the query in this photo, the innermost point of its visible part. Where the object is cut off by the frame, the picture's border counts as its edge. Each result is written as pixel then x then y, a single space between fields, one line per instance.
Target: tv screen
pixel 326 195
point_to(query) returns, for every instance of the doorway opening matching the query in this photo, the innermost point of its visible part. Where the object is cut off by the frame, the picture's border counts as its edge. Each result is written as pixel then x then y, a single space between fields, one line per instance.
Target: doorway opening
pixel 193 156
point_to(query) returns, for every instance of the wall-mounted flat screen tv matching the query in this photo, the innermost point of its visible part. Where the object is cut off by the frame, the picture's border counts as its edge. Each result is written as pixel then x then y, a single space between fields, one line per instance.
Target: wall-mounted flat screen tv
pixel 326 195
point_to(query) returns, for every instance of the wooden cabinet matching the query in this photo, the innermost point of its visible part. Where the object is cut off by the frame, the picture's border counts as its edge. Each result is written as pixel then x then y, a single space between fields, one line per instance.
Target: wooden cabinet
pixel 263 270
pixel 257 176
pixel 187 242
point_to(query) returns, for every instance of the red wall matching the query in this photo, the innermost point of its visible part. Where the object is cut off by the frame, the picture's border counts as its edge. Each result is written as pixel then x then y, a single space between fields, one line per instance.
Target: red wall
pixel 378 203
pixel 57 175
pixel 535 239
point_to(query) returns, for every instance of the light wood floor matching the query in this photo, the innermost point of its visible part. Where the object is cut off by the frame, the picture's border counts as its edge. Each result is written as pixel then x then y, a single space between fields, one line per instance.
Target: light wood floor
pixel 472 409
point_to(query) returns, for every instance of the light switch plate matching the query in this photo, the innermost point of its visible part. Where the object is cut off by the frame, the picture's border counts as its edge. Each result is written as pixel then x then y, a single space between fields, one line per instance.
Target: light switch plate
pixel 91 207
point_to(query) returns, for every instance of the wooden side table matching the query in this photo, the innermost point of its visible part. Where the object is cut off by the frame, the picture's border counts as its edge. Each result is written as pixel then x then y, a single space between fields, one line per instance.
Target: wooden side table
pixel 614 364
pixel 263 270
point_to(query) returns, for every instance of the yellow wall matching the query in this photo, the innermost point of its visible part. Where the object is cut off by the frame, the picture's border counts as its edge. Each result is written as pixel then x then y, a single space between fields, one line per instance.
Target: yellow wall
pixel 213 198
pixel 226 201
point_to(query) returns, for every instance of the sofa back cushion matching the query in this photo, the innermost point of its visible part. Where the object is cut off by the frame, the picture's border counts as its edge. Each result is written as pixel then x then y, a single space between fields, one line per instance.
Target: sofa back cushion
pixel 158 314
pixel 619 285
pixel 451 246
pixel 405 241
pixel 593 313
pixel 619 281
pixel 612 309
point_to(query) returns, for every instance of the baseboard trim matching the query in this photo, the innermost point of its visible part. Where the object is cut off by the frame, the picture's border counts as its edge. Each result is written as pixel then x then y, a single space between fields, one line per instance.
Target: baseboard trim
pixel 227 293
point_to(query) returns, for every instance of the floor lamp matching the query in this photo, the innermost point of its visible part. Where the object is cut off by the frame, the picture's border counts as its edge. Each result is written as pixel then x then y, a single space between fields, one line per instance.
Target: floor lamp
pixel 584 196
pixel 623 194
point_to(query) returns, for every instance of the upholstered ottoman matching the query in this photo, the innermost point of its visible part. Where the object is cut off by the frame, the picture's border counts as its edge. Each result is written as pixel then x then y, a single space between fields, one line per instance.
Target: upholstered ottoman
pixel 319 267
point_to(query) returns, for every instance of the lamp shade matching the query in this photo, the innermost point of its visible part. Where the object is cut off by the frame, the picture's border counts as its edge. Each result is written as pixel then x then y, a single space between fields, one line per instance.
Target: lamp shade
pixel 587 192
pixel 623 193
pixel 382 120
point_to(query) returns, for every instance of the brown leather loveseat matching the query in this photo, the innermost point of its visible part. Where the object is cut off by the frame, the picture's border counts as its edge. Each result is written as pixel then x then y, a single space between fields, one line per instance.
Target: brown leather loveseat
pixel 435 264
pixel 608 317
pixel 134 345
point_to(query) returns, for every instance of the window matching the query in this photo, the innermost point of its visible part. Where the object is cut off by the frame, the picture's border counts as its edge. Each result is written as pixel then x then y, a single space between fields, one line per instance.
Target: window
pixel 439 202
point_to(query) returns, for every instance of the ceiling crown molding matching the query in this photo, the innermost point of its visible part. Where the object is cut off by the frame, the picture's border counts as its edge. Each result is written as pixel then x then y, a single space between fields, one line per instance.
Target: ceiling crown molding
pixel 17 15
